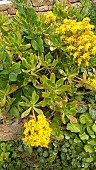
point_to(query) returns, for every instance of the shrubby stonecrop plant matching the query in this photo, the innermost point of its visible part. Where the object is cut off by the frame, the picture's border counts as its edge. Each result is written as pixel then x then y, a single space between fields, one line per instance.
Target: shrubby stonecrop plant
pixel 48 74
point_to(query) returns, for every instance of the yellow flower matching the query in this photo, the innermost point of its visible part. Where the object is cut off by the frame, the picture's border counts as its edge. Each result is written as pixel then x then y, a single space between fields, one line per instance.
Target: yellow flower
pixel 17 14
pixel 80 47
pixel 86 63
pixel 94 50
pixel 49 17
pixel 76 54
pixel 92 83
pixel 71 47
pixel 37 133
pixel 79 61
pixel 79 39
pixel 87 46
pixel 86 19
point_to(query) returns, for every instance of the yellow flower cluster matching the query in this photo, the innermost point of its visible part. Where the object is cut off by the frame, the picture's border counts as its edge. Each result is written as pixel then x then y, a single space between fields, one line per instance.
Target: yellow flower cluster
pixel 37 133
pixel 92 83
pixel 49 17
pixel 79 39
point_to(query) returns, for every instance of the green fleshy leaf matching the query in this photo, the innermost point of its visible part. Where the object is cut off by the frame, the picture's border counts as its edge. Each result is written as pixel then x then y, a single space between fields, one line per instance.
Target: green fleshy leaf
pixel 92 142
pixel 81 109
pixel 39 111
pixel 90 131
pixel 14 112
pixel 13 76
pixel 84 136
pixel 92 112
pixel 26 113
pixel 52 78
pixel 85 119
pixel 89 148
pixel 35 97
pixel 73 127
pixel 94 127
pixel 38 44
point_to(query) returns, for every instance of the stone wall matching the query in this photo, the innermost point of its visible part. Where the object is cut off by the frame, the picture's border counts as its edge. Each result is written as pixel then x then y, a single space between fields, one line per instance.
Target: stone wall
pixel 10 132
pixel 7 8
pixel 41 6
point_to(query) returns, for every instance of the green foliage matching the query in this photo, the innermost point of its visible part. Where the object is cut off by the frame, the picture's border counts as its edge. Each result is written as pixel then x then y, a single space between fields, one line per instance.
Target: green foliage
pixel 92 13
pixel 39 75
pixel 65 154
pixel 73 127
pixel 70 11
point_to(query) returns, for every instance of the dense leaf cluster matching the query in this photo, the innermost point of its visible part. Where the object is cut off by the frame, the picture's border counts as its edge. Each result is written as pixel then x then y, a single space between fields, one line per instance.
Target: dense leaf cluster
pixel 39 75
pixel 60 155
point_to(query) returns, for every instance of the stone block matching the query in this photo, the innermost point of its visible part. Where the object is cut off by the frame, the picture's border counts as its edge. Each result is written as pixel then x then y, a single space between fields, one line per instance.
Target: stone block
pixel 4 12
pixel 42 2
pixel 36 9
pixel 42 8
pixel 10 132
pixel 3 7
pixel 9 16
pixel 12 11
pixel 29 1
pixel 50 7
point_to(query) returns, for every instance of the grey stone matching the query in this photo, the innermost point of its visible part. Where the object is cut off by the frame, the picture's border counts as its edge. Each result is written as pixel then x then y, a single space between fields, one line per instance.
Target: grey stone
pixel 12 11
pixel 3 7
pixel 4 12
pixel 42 2
pixel 43 8
pixel 50 7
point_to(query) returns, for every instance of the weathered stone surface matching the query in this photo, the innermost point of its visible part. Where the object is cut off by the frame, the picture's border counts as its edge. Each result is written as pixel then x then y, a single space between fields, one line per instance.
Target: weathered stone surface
pixel 50 7
pixel 4 6
pixel 29 1
pixel 9 16
pixel 12 11
pixel 10 132
pixel 36 8
pixel 4 12
pixel 42 8
pixel 42 2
